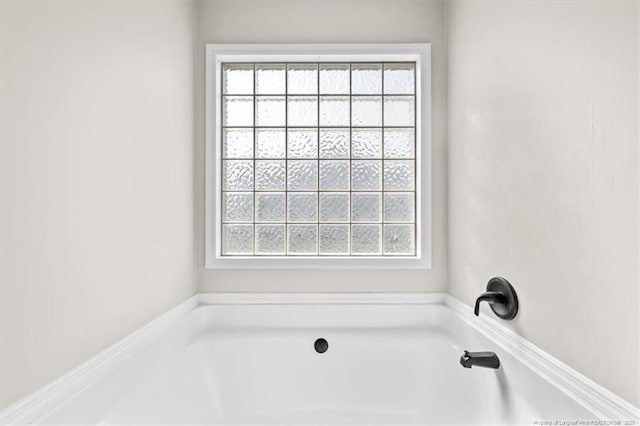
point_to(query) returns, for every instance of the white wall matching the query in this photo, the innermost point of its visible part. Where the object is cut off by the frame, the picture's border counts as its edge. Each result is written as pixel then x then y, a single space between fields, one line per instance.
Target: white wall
pixel 328 21
pixel 543 173
pixel 96 178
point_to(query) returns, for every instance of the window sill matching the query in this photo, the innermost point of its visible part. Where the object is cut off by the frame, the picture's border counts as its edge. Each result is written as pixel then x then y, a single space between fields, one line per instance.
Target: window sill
pixel 328 262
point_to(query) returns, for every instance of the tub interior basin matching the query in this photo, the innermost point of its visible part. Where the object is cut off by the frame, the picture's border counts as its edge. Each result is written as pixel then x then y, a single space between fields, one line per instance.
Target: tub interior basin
pixel 258 364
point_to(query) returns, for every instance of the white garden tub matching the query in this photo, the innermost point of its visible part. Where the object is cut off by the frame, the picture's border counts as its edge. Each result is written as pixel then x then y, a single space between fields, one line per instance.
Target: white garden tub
pixel 392 359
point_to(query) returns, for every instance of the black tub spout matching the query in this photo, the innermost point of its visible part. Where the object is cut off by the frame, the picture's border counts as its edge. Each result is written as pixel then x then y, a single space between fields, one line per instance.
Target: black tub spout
pixel 480 359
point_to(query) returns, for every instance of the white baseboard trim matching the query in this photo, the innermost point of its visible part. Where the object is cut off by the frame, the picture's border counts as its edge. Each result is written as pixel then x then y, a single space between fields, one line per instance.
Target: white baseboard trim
pixel 594 397
pixel 602 402
pixel 30 408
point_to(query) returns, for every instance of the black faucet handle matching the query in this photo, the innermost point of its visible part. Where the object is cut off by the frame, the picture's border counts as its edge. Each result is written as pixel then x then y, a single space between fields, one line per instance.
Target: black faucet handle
pixel 502 299
pixel 491 297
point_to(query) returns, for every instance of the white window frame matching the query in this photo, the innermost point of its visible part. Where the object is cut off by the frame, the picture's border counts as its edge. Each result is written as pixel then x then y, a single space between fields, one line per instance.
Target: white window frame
pixel 216 54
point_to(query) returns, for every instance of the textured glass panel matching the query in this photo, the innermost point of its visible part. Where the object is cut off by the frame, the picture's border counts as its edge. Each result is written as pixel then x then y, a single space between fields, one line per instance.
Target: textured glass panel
pixel 366 143
pixel 237 207
pixel 237 175
pixel 334 175
pixel 334 79
pixel 334 143
pixel 270 239
pixel 365 239
pixel 366 79
pixel 302 175
pixel 302 111
pixel 270 175
pixel 334 207
pixel 399 79
pixel 270 111
pixel 270 143
pixel 302 79
pixel 366 175
pixel 237 79
pixel 237 143
pixel 365 207
pixel 399 111
pixel 302 207
pixel 399 239
pixel 237 111
pixel 366 111
pixel 303 143
pixel 399 174
pixel 398 143
pixel 270 79
pixel 237 239
pixel 340 188
pixel 334 110
pixel 399 207
pixel 270 207
pixel 334 239
pixel 302 239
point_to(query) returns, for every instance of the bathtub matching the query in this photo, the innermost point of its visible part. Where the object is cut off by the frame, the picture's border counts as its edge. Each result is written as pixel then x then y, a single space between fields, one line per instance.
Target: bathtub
pixel 391 359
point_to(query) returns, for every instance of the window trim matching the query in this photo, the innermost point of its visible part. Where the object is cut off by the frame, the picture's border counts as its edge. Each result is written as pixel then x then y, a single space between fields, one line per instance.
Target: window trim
pixel 348 53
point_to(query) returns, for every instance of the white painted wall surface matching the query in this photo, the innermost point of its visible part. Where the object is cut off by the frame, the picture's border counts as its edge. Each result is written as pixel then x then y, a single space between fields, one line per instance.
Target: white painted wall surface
pixel 327 21
pixel 543 173
pixel 96 178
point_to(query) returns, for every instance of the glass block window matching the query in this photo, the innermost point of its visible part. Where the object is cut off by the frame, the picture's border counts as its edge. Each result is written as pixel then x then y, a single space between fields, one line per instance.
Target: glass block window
pixel 318 159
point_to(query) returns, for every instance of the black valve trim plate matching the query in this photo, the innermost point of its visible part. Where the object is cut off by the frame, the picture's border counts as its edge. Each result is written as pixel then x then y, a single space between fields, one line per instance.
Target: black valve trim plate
pixel 509 309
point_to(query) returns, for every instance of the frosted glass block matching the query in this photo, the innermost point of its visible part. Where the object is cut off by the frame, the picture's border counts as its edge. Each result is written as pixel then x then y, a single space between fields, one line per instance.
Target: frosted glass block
pixel 237 175
pixel 270 79
pixel 399 207
pixel 334 175
pixel 334 110
pixel 399 111
pixel 270 239
pixel 334 207
pixel 303 143
pixel 366 175
pixel 237 207
pixel 399 239
pixel 366 143
pixel 302 207
pixel 270 143
pixel 399 79
pixel 302 79
pixel 270 207
pixel 237 239
pixel 302 175
pixel 334 79
pixel 334 143
pixel 366 207
pixel 237 143
pixel 302 111
pixel 399 143
pixel 398 175
pixel 237 79
pixel 237 111
pixel 366 79
pixel 270 175
pixel 366 111
pixel 365 239
pixel 302 239
pixel 270 111
pixel 334 239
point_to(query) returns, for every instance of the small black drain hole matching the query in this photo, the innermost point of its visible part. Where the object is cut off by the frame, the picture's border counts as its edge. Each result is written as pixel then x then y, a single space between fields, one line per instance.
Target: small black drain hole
pixel 321 346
